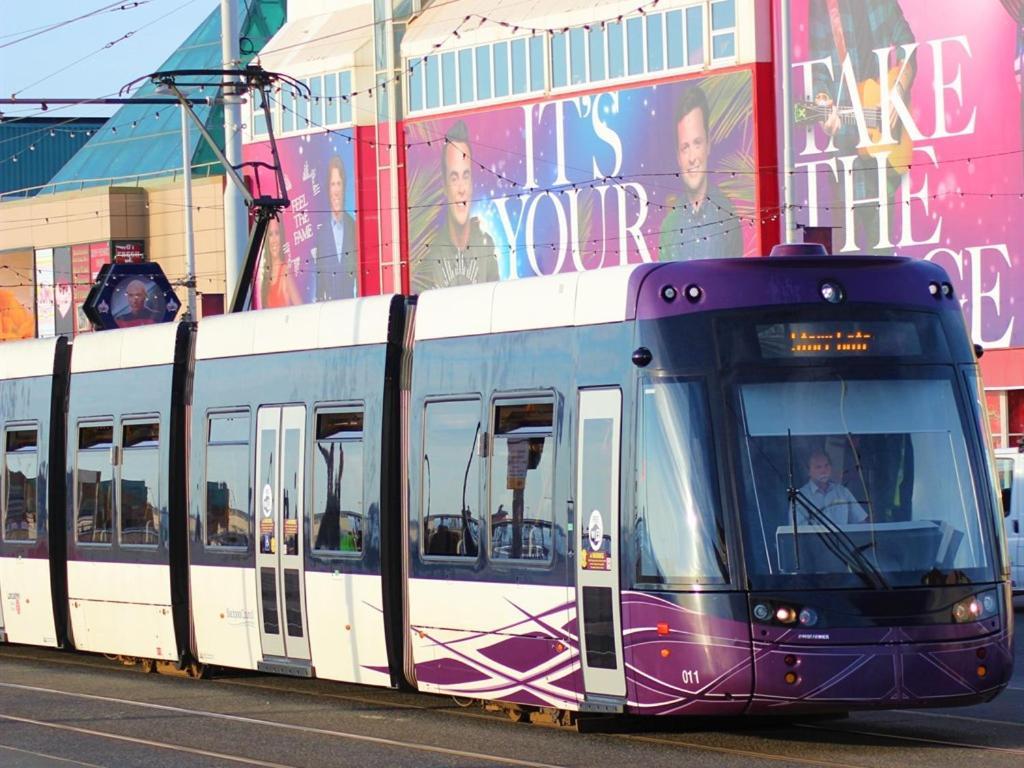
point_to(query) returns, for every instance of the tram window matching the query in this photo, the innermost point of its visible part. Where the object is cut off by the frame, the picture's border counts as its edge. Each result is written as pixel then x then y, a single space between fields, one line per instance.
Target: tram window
pixel 678 527
pixel 451 479
pixel 21 473
pixel 94 497
pixel 337 524
pixel 522 482
pixel 228 502
pixel 139 486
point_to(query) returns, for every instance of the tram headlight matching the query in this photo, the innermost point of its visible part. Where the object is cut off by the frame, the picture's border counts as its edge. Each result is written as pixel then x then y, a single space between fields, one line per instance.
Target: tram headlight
pixel 785 615
pixel 832 292
pixel 974 608
pixel 762 612
pixel 808 617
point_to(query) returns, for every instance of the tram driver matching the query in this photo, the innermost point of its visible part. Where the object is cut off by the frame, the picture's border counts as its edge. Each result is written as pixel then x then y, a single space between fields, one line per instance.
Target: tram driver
pixel 833 499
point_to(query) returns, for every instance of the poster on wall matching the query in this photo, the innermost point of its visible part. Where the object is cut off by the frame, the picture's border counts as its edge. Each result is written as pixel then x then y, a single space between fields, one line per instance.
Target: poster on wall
pixel 44 293
pixel 17 299
pixel 311 253
pixel 907 138
pixel 86 261
pixel 663 172
pixel 63 298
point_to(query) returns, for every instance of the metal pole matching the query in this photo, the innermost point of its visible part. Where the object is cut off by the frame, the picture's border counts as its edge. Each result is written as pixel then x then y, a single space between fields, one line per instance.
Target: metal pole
pixel 236 223
pixel 190 247
pixel 786 67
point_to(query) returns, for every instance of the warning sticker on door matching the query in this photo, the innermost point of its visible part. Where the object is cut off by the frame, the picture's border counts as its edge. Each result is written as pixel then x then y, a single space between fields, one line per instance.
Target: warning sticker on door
pixel 268 500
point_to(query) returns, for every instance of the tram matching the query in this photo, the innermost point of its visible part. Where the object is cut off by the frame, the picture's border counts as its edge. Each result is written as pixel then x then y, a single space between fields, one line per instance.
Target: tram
pixel 737 486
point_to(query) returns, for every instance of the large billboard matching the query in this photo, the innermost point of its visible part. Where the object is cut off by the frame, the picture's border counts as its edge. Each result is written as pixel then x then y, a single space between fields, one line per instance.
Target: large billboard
pixel 907 138
pixel 662 171
pixel 310 253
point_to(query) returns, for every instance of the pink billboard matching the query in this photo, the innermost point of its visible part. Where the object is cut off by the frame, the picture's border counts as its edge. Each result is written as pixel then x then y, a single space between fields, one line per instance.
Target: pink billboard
pixel 656 172
pixel 311 252
pixel 906 138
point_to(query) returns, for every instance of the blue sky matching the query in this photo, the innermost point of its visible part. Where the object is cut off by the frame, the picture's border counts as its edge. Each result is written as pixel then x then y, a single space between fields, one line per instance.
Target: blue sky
pixel 156 27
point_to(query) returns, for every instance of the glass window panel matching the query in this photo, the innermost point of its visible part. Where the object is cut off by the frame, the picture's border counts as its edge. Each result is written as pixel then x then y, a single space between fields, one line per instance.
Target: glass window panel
pixel 337 524
pixel 559 60
pixel 448 82
pixel 483 72
pixel 303 105
pixel 331 96
pixel 635 45
pixel 522 484
pixel 259 121
pixel 94 504
pixel 451 479
pixel 616 51
pixel 595 41
pixel 228 503
pixel 577 56
pixel 519 66
pixel 655 42
pixel 139 488
pixel 287 109
pixel 466 90
pixel 433 75
pixel 345 91
pixel 723 14
pixel 674 38
pixel 694 36
pixel 416 86
pixel 500 69
pixel 678 526
pixel 537 63
pixel 316 100
pixel 21 475
pixel 291 495
pixel 723 46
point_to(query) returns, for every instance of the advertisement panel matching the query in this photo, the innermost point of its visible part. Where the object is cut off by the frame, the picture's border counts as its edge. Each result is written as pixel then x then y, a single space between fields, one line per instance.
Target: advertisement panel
pixel 45 298
pixel 663 171
pixel 907 138
pixel 311 253
pixel 63 298
pixel 17 300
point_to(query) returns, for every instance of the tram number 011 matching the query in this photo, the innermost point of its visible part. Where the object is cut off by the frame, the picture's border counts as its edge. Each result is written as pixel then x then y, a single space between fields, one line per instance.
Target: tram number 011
pixel 690 677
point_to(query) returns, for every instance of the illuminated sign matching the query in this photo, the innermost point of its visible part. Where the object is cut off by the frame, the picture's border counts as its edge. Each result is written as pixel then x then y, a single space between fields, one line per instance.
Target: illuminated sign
pixel 128 295
pixel 838 339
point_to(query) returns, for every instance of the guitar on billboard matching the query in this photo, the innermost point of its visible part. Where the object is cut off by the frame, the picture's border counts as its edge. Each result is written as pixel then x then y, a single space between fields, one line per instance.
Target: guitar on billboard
pixel 870 91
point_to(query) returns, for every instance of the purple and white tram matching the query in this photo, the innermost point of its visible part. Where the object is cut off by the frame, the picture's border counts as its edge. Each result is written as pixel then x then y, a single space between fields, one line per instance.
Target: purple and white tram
pixel 721 487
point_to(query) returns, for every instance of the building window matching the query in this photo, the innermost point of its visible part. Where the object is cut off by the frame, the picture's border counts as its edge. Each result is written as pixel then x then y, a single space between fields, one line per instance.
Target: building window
pixel 449 93
pixel 316 101
pixel 635 46
pixel 519 81
pixel 559 60
pixel 577 56
pixel 139 484
pixel 450 472
pixel 501 70
pixel 466 90
pixel 228 499
pixel 595 40
pixel 483 72
pixel 695 36
pixel 94 492
pixel 674 51
pixel 537 63
pixel 655 42
pixel 20 484
pixel 331 99
pixel 345 93
pixel 522 481
pixel 287 110
pixel 616 51
pixel 337 524
pixel 723 29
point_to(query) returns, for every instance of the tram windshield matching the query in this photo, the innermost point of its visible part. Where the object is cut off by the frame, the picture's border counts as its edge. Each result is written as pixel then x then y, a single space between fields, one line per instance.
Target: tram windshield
pixel 858 481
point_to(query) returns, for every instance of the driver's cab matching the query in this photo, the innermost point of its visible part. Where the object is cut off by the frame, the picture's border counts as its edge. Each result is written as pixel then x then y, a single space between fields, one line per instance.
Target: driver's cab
pixel 1010 471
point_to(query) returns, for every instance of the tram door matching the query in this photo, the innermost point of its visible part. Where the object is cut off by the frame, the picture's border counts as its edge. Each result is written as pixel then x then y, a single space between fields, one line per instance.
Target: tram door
pixel 599 548
pixel 279 555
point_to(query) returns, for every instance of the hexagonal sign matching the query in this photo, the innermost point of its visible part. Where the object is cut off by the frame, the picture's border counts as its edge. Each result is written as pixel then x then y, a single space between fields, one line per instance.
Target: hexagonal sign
pixel 127 295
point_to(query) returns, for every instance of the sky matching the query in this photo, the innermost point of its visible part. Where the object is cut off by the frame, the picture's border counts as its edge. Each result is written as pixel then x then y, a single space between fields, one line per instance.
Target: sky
pixel 90 57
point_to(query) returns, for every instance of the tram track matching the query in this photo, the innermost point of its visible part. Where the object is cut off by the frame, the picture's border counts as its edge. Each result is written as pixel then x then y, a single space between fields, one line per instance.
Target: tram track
pixel 391 700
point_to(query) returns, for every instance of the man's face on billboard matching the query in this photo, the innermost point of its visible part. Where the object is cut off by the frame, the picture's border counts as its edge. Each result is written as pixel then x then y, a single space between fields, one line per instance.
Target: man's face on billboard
pixel 136 297
pixel 458 180
pixel 336 190
pixel 692 148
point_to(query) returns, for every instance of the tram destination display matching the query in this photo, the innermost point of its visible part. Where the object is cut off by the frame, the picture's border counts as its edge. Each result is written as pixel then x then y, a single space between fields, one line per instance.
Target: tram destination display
pixel 838 339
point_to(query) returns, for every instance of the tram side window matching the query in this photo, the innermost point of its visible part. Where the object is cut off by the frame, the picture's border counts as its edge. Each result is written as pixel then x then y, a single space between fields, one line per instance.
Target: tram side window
pixel 450 475
pixel 228 502
pixel 678 529
pixel 522 481
pixel 337 524
pixel 94 485
pixel 21 473
pixel 139 486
